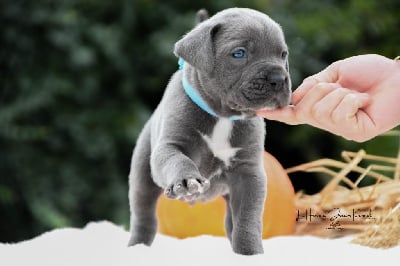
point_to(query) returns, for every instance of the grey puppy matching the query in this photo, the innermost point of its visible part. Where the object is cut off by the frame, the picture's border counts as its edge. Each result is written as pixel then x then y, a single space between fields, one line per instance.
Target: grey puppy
pixel 204 138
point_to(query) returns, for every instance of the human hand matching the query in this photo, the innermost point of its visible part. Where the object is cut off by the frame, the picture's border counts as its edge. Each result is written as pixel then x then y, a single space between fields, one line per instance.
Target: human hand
pixel 356 98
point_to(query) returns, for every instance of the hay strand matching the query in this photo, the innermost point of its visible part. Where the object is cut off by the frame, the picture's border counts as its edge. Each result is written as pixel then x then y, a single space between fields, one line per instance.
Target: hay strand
pixel 370 213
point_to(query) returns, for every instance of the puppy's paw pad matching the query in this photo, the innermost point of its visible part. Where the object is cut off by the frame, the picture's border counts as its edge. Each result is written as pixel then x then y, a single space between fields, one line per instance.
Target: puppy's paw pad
pixel 179 187
pixel 197 185
pixel 193 186
pixel 187 188
pixel 169 192
pixel 176 189
pixel 204 184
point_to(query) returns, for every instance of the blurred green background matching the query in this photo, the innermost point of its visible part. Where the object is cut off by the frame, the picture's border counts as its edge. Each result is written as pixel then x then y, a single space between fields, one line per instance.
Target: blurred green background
pixel 79 78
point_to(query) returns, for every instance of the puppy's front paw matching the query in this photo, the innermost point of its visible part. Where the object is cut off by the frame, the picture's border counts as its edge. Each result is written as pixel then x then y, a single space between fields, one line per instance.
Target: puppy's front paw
pixel 187 189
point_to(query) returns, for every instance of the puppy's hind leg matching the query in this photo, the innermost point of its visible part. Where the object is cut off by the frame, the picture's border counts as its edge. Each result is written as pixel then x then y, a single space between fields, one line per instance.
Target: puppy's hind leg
pixel 228 218
pixel 143 194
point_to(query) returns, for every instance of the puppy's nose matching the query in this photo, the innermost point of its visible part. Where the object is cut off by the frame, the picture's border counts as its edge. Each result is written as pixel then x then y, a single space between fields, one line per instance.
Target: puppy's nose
pixel 276 79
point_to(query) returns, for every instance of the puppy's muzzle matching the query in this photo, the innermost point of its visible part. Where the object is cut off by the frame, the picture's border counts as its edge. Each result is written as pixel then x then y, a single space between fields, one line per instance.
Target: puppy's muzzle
pixel 269 88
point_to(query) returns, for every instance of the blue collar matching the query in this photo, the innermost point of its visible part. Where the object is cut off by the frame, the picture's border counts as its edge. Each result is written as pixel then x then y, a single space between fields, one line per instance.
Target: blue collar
pixel 195 96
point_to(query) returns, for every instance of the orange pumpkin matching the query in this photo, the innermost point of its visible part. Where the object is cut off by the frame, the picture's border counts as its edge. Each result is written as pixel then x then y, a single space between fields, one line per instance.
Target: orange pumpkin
pixel 180 219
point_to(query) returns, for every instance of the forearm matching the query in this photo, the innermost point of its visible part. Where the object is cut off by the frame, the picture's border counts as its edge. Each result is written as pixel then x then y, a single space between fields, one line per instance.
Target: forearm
pixel 168 161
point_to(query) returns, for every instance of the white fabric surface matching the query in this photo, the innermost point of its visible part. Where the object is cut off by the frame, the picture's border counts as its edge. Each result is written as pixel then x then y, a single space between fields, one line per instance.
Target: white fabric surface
pixel 103 243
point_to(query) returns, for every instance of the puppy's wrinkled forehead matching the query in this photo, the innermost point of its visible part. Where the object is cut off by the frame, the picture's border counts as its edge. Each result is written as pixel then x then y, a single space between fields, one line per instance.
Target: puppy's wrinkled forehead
pixel 212 42
pixel 248 28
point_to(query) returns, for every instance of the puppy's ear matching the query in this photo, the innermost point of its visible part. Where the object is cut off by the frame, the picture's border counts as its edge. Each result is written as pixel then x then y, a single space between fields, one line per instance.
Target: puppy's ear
pixel 197 46
pixel 201 16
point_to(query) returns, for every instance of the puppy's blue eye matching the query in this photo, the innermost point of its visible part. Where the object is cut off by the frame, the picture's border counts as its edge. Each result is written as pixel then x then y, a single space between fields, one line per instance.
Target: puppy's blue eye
pixel 239 53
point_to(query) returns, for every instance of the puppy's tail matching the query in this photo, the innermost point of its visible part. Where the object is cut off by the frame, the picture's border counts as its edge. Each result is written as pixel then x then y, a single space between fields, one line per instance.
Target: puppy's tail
pixel 201 16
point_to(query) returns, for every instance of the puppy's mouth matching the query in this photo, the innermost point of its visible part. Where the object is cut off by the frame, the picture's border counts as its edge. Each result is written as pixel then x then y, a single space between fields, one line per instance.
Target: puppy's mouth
pixel 258 96
pixel 259 104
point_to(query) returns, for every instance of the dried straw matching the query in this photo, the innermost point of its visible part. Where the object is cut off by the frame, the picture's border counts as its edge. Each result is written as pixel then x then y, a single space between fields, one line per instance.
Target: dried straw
pixel 384 234
pixel 343 207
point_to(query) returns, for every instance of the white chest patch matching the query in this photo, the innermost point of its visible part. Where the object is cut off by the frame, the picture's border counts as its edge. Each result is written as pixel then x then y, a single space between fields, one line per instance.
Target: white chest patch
pixel 219 141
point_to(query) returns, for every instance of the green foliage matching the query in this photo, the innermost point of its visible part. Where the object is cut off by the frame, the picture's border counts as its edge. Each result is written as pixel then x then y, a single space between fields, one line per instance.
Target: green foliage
pixel 79 78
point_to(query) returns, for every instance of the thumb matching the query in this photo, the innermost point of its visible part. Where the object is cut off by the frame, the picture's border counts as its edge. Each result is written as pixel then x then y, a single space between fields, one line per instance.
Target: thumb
pixel 285 115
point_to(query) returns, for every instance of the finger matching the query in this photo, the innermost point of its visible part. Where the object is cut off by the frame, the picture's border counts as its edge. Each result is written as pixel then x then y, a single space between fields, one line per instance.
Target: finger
pixel 285 115
pixel 347 109
pixel 366 127
pixel 328 75
pixel 302 113
pixel 322 111
pixel 304 87
pixel 348 119
pixel 299 96
pixel 305 107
